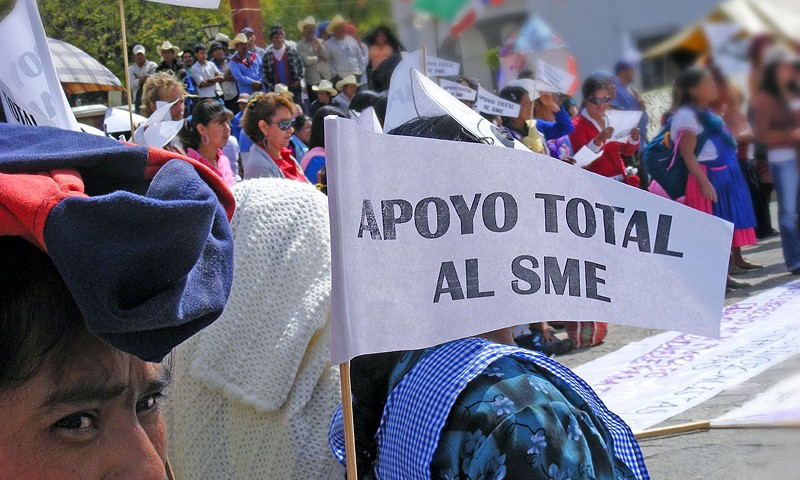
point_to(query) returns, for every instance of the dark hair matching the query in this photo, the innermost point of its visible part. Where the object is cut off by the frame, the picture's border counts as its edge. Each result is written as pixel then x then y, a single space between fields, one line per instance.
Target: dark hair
pixel 527 74
pixel 757 46
pixel 262 106
pixel 38 316
pixel 300 121
pixel 442 127
pixel 686 81
pixel 513 94
pixel 592 85
pixel 391 40
pixel 769 81
pixel 276 29
pixel 189 51
pixel 369 387
pixel 317 137
pixel 382 75
pixel 380 108
pixel 215 46
pixel 363 100
pixel 203 113
pixel 199 48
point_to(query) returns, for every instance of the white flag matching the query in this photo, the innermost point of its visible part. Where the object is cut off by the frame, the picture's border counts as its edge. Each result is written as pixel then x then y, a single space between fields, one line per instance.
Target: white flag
pixel 435 240
pixel 212 4
pixel 553 79
pixel 29 87
pixel 457 90
pixel 494 105
pixel 437 67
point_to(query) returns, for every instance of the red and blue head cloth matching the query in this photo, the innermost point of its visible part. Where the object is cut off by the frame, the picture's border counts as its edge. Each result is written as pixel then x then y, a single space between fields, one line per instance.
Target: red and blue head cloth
pixel 139 235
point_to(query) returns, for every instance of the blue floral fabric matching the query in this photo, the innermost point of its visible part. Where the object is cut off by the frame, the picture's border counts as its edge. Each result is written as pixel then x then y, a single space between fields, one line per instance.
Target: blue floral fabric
pixel 519 421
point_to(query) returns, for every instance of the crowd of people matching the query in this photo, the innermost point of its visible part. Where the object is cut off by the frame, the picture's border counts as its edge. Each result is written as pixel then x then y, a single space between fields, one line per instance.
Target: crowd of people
pixel 275 99
pixel 88 303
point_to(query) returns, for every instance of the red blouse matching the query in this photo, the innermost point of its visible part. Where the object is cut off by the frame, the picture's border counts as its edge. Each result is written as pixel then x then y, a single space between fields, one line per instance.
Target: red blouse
pixel 610 163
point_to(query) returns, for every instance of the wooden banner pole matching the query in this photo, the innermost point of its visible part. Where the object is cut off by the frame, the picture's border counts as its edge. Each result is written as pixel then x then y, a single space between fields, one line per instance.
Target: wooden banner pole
pixel 125 62
pixel 707 425
pixel 349 429
pixel 674 430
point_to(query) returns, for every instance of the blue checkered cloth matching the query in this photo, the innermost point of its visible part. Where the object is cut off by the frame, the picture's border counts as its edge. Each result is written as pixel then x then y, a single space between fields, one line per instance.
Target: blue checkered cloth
pixel 418 407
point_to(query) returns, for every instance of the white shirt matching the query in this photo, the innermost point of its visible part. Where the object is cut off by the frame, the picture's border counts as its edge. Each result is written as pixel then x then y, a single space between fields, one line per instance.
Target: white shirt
pixel 135 71
pixel 686 119
pixel 346 57
pixel 201 73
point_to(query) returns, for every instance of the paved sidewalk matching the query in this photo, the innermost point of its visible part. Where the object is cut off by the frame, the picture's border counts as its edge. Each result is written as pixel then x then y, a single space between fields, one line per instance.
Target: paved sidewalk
pixel 763 454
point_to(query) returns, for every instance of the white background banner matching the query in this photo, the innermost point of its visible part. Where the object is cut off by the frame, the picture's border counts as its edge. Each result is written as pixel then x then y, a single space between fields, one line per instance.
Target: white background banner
pixel 29 87
pixel 650 381
pixel 437 240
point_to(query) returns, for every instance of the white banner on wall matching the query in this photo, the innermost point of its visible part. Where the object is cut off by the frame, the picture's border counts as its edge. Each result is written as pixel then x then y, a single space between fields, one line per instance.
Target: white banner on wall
pixel 455 239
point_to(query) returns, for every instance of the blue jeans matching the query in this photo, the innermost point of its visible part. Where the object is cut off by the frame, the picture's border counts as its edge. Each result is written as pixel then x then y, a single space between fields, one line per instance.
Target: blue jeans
pixel 786 179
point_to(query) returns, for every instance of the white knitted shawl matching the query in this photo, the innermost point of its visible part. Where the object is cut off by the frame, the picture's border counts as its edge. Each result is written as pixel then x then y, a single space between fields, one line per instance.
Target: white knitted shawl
pixel 254 392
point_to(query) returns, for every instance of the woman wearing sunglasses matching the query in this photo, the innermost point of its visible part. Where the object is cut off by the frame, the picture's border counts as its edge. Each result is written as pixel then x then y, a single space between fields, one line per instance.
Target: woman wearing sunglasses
pixel 268 121
pixel 592 131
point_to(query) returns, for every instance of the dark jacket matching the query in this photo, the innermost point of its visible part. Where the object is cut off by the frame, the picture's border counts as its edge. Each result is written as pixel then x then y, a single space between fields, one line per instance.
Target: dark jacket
pixel 296 68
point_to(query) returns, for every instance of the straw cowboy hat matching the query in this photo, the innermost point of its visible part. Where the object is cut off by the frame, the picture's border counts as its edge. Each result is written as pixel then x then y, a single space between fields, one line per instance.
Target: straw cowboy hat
pixel 309 20
pixel 281 88
pixel 222 38
pixel 169 46
pixel 239 38
pixel 335 22
pixel 325 86
pixel 348 80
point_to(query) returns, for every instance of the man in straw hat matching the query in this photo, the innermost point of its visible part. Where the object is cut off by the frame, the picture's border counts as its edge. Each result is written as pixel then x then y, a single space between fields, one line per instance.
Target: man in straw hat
pixel 314 54
pixel 346 57
pixel 245 66
pixel 348 86
pixel 324 93
pixel 170 55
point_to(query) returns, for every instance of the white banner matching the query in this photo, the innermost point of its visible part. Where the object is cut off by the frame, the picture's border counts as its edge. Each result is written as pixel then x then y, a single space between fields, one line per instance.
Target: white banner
pixel 29 88
pixel 780 405
pixel 438 67
pixel 657 378
pixel 458 239
pixel 190 3
pixel 552 79
pixel 656 103
pixel 457 90
pixel 400 106
pixel 492 104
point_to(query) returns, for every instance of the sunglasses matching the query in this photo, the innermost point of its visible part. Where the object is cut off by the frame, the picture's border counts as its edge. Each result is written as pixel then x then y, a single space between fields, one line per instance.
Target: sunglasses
pixel 285 124
pixel 599 101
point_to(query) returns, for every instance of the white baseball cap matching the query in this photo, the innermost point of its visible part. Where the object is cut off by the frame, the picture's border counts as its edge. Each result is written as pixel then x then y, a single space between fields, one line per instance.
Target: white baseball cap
pixel 138 49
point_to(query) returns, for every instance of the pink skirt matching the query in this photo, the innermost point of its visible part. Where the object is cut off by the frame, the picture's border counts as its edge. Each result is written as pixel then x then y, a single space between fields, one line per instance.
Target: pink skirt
pixel 694 198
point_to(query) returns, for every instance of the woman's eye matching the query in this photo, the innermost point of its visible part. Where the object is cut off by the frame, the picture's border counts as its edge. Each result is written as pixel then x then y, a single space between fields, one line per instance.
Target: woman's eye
pixel 149 402
pixel 77 422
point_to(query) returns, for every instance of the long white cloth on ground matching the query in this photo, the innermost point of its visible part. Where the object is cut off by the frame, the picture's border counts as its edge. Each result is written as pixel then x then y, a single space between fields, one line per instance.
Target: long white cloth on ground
pixel 659 377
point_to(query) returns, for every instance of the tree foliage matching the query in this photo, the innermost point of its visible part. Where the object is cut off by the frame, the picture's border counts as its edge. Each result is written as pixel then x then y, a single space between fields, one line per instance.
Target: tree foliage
pixel 94 26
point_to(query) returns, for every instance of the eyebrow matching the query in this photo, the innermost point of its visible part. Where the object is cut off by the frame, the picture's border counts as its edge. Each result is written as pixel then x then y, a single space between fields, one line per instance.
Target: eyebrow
pixel 92 393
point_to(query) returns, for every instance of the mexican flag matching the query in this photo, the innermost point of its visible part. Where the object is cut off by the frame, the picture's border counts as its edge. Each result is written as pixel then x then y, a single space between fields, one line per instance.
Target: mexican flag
pixel 459 13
